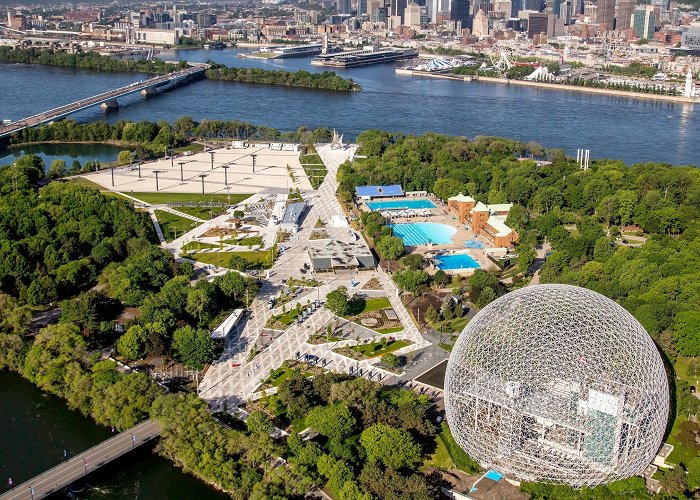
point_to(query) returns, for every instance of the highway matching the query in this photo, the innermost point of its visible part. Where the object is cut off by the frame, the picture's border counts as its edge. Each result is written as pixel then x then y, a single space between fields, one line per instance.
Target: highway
pixel 61 111
pixel 65 473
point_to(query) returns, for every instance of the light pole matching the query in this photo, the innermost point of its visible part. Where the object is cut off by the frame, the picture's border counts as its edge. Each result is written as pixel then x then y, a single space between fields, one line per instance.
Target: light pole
pixel 225 167
pixel 139 170
pixel 212 159
pixel 157 172
pixel 253 156
pixel 181 163
pixel 112 169
pixel 202 176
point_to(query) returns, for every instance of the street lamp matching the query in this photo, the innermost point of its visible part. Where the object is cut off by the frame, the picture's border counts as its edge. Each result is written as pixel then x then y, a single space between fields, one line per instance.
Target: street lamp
pixel 181 163
pixel 202 176
pixel 225 167
pixel 157 172
pixel 212 159
pixel 253 156
pixel 139 170
pixel 112 169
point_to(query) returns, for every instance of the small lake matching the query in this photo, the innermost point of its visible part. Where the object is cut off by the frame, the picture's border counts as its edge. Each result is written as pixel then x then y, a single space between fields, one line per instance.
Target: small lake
pixel 67 152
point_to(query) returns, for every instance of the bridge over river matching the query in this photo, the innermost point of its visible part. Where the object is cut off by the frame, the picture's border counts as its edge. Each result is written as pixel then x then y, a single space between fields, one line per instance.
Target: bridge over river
pixel 107 99
pixel 71 470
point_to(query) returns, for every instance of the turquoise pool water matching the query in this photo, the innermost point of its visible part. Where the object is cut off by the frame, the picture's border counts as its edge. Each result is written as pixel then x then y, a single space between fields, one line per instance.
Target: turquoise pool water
pixel 456 261
pixel 422 233
pixel 400 204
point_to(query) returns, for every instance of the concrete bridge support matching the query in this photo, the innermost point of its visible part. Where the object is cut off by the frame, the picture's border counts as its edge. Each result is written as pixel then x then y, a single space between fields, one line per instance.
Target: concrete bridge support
pixel 149 91
pixel 111 104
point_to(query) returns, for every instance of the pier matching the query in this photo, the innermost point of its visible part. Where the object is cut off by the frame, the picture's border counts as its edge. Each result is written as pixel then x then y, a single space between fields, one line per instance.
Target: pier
pixel 64 474
pixel 106 99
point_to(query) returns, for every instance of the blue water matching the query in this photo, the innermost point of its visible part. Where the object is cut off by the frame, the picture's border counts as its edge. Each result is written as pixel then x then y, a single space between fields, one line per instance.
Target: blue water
pixel 422 233
pixel 492 474
pixel 456 261
pixel 400 204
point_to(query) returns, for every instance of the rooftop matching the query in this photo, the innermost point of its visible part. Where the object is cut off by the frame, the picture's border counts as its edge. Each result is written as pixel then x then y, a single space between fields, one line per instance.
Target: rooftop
pixel 499 225
pixel 222 331
pixel 339 255
pixel 293 212
pixel 379 191
pixel 461 198
pixel 480 207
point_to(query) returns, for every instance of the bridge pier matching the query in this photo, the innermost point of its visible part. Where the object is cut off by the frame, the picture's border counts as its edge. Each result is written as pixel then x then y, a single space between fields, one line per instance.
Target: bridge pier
pixel 149 91
pixel 111 104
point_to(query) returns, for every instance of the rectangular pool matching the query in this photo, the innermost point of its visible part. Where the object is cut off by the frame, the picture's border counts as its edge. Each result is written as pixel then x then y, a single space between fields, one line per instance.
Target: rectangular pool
pixel 456 261
pixel 400 204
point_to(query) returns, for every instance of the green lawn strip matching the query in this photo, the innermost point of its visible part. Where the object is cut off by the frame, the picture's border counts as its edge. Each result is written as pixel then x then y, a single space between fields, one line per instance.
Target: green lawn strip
pixel 447 347
pixel 441 458
pixel 681 367
pixel 172 224
pixel 161 197
pixel 285 318
pixel 189 147
pixel 368 306
pixel 385 331
pixel 197 245
pixel 459 457
pixel 204 213
pixel 377 349
pixel 250 241
pixel 681 453
pixel 313 159
pixel 455 325
pixel 281 374
pixel 221 259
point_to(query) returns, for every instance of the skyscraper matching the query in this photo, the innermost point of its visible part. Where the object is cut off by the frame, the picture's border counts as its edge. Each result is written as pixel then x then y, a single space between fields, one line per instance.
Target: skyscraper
pixel 605 13
pixel 459 11
pixel 643 21
pixel 624 13
pixel 412 15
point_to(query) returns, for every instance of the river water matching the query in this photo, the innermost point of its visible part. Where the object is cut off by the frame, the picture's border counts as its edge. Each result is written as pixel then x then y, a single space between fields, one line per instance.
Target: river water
pixel 631 129
pixel 37 427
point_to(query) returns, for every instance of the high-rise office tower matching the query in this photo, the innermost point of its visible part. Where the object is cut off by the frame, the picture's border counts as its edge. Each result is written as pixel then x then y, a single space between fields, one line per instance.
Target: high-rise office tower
pixel 643 21
pixel 624 13
pixel 459 11
pixel 605 13
pixel 411 15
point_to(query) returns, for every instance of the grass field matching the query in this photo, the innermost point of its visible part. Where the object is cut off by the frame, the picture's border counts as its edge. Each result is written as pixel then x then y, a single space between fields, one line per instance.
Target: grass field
pixel 376 349
pixel 455 325
pixel 161 197
pixel 385 331
pixel 204 213
pixel 82 181
pixel 259 258
pixel 189 147
pixel 197 245
pixel 367 305
pixel 250 241
pixel 173 225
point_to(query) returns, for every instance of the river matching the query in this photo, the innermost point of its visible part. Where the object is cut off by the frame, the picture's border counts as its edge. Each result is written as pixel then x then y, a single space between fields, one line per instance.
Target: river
pixel 37 427
pixel 632 129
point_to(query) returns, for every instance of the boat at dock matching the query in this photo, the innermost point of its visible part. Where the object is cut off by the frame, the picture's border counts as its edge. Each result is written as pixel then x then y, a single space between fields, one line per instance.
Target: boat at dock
pixel 363 57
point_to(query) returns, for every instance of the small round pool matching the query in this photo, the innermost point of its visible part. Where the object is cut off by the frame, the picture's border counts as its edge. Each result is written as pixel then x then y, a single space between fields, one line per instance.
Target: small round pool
pixel 456 261
pixel 422 233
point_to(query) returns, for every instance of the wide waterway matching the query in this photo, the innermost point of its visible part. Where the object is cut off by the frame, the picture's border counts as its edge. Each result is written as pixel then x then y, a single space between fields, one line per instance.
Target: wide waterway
pixel 37 427
pixel 632 129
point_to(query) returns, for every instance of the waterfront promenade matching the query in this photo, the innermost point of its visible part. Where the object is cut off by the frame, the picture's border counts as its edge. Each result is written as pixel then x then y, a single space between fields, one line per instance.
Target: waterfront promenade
pixel 86 462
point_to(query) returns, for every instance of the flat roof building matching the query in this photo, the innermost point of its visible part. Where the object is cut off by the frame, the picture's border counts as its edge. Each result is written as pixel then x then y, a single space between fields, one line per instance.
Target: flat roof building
pixel 221 332
pixel 292 214
pixel 486 220
pixel 369 192
pixel 337 256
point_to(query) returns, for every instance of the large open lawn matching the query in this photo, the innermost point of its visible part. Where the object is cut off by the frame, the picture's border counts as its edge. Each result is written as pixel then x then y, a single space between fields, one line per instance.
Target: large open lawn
pixel 162 197
pixel 360 306
pixel 173 225
pixel 221 259
pixel 204 213
pixel 376 349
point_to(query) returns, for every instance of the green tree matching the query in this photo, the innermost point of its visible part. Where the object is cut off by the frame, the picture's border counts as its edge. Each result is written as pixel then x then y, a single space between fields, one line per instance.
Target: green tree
pixel 391 360
pixel 411 280
pixel 258 422
pixel 194 347
pixel 334 421
pixel 390 446
pixel 337 301
pixel 389 247
pixel 124 157
pixel 132 343
pixel 685 329
pixel 57 169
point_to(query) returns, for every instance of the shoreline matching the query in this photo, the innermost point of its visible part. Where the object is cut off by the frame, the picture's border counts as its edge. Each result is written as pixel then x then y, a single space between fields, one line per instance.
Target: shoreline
pixel 551 86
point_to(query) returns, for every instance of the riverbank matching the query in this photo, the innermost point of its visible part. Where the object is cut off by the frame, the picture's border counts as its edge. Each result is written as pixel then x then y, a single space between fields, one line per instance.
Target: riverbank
pixel 546 85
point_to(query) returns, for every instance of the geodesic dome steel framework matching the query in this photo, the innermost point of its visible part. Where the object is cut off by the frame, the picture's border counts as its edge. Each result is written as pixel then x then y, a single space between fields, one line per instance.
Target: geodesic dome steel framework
pixel 557 384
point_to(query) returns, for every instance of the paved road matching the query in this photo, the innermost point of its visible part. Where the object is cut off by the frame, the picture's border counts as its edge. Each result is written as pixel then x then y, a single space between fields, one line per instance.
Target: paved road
pixel 64 474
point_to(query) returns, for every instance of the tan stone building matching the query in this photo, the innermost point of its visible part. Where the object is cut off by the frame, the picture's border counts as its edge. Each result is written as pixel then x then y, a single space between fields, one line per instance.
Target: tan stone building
pixel 488 221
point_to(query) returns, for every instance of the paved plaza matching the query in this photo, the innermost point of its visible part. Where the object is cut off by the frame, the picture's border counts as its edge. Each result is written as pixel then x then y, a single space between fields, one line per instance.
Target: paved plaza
pixel 232 172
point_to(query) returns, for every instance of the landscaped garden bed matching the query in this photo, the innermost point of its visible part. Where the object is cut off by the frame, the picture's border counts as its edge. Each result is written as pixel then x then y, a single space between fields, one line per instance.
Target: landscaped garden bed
pixel 372 349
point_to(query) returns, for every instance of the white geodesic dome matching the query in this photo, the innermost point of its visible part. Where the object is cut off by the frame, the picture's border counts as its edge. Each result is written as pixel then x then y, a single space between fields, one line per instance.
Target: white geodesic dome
pixel 557 384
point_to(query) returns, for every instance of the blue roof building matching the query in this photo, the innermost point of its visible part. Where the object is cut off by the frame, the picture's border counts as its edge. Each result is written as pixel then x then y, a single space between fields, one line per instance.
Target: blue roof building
pixel 369 192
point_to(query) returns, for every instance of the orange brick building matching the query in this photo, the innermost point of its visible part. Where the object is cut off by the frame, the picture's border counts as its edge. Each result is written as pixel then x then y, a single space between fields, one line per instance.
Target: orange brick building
pixel 488 221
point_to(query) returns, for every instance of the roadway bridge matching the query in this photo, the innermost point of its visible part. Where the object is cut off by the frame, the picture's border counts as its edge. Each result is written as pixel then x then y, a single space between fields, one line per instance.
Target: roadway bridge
pixel 64 474
pixel 106 99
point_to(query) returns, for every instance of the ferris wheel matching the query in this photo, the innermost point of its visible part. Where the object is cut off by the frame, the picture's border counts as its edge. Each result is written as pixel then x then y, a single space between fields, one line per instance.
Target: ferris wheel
pixel 502 55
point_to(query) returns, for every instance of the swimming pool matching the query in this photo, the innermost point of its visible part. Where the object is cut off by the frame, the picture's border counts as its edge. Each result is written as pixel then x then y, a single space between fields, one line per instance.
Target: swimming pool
pixel 400 204
pixel 422 233
pixel 456 261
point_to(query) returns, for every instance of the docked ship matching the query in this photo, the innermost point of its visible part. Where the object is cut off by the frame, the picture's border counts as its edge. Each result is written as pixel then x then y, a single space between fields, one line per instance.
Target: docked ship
pixel 297 50
pixel 365 56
